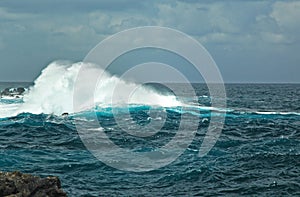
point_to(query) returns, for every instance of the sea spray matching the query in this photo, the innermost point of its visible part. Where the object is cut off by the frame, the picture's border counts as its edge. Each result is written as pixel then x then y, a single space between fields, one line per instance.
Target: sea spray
pixel 52 92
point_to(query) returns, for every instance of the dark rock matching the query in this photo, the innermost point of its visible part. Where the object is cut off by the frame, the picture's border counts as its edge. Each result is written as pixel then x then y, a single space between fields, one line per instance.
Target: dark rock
pixel 17 184
pixel 13 91
pixel 20 90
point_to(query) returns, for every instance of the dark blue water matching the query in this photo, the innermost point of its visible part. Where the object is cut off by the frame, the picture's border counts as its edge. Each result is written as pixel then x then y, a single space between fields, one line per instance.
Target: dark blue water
pixel 257 154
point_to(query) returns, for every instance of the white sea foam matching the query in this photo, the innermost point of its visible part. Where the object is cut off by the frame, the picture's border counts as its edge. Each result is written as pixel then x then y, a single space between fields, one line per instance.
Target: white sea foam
pixel 52 92
pixel 277 113
pixel 7 110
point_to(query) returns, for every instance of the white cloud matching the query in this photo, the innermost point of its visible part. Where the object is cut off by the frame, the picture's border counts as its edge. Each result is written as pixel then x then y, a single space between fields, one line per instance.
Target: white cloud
pixel 280 25
pixel 100 22
pixel 4 14
pixel 69 30
pixel 268 30
pixel 215 38
pixel 196 18
pixel 275 38
pixel 109 23
pixel 287 15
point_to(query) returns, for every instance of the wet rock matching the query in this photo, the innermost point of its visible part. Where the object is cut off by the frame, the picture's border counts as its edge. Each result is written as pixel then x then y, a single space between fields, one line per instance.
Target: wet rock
pixel 65 114
pixel 21 90
pixel 17 184
pixel 13 92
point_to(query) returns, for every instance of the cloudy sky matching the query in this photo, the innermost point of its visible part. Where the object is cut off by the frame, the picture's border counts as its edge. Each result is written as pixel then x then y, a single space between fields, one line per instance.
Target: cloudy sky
pixel 251 41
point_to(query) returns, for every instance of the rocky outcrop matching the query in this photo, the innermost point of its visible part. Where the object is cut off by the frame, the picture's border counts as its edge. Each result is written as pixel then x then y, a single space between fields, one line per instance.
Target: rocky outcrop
pixel 17 184
pixel 13 92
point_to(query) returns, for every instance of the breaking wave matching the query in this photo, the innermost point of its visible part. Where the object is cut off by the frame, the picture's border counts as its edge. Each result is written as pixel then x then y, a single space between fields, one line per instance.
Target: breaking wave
pixel 52 92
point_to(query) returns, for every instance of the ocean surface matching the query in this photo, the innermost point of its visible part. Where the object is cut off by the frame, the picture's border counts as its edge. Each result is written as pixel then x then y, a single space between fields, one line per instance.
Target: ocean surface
pixel 257 153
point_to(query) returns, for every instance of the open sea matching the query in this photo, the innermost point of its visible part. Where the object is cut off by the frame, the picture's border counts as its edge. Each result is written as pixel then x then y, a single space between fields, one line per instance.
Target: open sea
pixel 257 153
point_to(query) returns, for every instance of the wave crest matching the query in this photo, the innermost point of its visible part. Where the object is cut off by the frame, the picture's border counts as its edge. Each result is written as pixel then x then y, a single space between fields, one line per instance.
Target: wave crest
pixel 52 92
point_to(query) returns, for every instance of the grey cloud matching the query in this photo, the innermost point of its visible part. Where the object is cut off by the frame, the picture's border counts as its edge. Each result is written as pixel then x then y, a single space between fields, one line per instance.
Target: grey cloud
pixel 65 6
pixel 241 35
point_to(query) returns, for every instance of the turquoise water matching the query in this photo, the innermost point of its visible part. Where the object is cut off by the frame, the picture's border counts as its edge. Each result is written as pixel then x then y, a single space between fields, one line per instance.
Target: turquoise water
pixel 258 152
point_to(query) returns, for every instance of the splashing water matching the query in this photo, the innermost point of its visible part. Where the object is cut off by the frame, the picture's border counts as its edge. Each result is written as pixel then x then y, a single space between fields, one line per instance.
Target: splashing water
pixel 52 92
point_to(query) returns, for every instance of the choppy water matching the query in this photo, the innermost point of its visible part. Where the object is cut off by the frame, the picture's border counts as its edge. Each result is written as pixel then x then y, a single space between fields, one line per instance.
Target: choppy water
pixel 257 154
